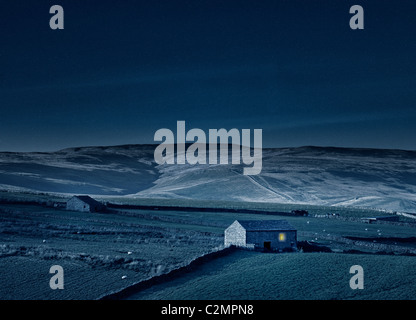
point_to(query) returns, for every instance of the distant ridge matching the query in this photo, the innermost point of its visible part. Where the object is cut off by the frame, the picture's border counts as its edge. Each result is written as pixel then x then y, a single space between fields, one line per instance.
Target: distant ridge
pixel 359 177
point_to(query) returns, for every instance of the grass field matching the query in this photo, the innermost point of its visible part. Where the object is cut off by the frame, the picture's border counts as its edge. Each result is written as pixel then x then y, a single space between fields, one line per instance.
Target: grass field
pixel 263 206
pixel 247 275
pixel 100 253
pixel 106 252
pixel 217 221
pixel 27 278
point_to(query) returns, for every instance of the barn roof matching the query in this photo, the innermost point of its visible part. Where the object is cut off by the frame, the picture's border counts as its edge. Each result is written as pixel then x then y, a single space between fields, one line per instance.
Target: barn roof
pixel 266 225
pixel 88 200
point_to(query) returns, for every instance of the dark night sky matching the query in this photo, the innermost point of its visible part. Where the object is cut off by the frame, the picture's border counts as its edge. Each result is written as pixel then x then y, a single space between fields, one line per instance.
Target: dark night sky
pixel 120 70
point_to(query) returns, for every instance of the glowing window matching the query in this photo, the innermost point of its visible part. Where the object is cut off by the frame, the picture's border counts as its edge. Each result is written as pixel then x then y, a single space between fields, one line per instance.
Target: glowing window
pixel 282 236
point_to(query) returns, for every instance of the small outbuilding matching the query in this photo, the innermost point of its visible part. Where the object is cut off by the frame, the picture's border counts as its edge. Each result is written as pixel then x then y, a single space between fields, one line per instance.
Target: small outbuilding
pixel 269 235
pixel 84 204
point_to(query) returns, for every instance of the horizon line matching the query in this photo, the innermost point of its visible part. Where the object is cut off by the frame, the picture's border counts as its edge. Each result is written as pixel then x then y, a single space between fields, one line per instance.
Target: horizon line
pixel 218 144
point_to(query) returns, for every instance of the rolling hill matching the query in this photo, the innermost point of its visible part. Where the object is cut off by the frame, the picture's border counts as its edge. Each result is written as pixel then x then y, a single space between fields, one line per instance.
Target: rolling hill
pixel 383 179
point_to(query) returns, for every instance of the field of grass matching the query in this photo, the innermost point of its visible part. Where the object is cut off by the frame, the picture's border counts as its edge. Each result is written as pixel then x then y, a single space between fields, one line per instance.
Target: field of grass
pixel 245 275
pixel 263 206
pixel 100 253
pixel 105 252
pixel 27 277
pixel 309 228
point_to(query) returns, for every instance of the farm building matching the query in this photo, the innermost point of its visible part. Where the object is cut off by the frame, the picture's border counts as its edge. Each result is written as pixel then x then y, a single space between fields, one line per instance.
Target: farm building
pixel 273 235
pixel 84 204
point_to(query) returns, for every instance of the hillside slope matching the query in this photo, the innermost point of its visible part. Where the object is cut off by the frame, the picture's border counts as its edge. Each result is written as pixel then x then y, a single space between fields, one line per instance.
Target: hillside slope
pixel 384 179
pixel 327 176
pixel 90 170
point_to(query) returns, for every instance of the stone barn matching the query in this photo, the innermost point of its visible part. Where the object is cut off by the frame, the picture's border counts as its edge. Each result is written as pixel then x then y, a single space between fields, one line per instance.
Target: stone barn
pixel 84 204
pixel 270 235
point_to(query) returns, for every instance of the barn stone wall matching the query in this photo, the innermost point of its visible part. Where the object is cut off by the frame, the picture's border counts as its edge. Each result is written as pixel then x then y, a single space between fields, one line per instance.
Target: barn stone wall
pixel 235 235
pixel 258 238
pixel 75 204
